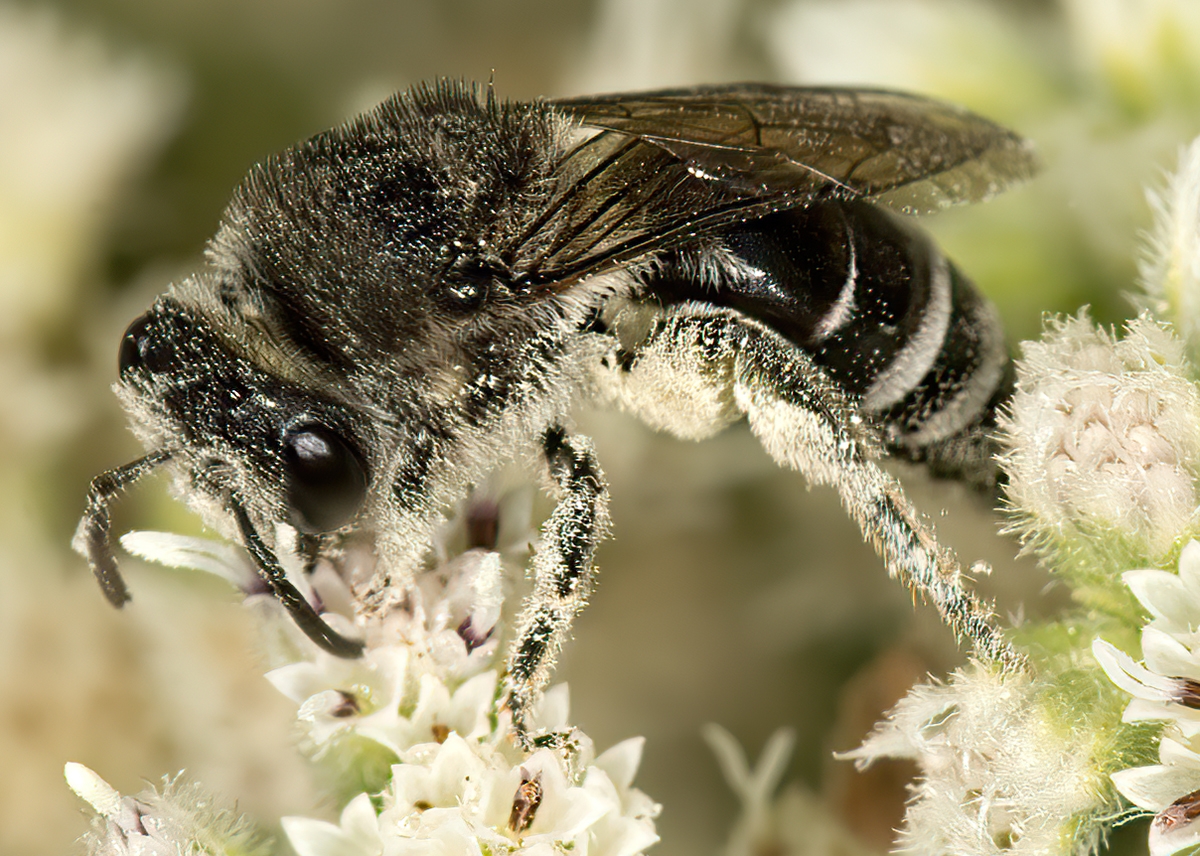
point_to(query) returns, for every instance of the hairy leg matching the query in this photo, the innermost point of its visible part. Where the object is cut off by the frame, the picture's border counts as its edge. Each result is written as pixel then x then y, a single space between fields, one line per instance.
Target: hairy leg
pixel 562 571
pixel 699 367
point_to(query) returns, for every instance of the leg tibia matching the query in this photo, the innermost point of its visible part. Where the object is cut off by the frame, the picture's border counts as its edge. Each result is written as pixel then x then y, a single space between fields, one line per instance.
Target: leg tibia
pixel 806 424
pixel 562 571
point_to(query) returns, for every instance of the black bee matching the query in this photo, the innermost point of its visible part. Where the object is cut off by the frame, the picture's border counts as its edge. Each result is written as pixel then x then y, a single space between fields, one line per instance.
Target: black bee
pixel 396 306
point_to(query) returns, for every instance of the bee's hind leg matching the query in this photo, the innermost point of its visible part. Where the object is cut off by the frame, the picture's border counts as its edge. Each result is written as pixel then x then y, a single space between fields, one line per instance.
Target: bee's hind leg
pixel 699 367
pixel 562 572
pixel 805 422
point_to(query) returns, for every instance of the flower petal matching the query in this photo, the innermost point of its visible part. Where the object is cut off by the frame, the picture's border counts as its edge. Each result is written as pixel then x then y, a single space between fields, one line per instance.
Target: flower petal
pixel 1164 654
pixel 1143 710
pixel 621 762
pixel 357 834
pixel 555 709
pixel 199 554
pixel 1157 786
pixel 1189 568
pixel 1164 596
pixel 1136 680
pixel 93 790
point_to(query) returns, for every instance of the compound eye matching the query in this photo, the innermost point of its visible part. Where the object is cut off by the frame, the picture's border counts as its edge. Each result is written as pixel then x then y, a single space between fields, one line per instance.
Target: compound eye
pixel 134 345
pixel 326 483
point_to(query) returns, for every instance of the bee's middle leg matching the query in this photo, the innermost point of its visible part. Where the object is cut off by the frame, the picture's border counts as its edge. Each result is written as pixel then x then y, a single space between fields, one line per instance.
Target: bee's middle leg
pixel 562 571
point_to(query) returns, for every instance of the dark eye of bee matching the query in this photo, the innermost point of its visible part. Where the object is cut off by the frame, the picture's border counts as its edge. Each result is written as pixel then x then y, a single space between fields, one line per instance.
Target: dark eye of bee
pixel 135 350
pixel 326 484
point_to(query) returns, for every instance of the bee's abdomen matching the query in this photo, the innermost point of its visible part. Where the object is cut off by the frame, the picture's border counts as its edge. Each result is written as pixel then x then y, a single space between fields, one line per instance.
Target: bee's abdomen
pixel 878 306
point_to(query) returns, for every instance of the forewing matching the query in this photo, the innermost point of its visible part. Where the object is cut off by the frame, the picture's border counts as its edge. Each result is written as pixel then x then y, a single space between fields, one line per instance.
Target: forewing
pixel 673 163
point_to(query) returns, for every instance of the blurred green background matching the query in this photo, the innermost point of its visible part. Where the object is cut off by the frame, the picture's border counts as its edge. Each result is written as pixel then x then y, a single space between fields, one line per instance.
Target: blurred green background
pixel 729 594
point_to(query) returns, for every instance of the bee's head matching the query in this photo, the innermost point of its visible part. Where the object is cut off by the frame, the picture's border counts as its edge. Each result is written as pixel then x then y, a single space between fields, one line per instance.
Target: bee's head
pixel 249 450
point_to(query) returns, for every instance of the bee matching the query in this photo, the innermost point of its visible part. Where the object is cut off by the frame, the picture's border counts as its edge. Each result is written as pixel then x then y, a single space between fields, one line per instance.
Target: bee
pixel 393 308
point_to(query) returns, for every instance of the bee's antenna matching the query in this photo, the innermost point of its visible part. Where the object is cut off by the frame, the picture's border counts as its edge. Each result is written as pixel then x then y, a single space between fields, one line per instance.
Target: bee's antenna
pixel 92 537
pixel 293 601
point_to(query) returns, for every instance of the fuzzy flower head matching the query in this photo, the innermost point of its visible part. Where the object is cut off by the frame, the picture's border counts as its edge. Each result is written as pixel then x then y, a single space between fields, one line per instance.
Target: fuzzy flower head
pixel 1166 688
pixel 179 818
pixel 1002 773
pixel 1103 444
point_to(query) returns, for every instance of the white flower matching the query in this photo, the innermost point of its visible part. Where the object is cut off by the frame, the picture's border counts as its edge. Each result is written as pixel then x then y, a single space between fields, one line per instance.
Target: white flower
pixel 1167 688
pixel 178 819
pixel 459 795
pixel 1104 442
pixel 380 698
pixel 423 675
pixel 425 692
pixel 357 833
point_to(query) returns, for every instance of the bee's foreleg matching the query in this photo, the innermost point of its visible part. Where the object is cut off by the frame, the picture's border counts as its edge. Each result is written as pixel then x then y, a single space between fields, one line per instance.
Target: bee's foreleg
pixel 562 571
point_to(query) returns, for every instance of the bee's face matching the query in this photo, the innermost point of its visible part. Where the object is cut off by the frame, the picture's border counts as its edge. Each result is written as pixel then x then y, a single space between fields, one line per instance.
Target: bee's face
pixel 238 435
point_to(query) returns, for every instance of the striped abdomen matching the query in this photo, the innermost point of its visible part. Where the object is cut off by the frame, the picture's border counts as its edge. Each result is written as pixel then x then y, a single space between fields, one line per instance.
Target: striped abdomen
pixel 876 304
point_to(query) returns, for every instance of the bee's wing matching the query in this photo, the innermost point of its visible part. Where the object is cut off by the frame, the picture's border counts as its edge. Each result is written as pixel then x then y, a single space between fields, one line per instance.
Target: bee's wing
pixel 669 164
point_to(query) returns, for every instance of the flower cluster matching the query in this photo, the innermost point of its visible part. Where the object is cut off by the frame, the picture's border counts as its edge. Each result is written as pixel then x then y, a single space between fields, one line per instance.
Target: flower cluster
pixel 463 796
pixel 1167 689
pixel 999 772
pixel 415 730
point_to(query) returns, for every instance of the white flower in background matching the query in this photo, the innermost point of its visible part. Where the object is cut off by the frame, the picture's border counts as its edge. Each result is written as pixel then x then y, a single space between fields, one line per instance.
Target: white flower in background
pixel 1146 51
pixel 58 88
pixel 179 819
pixel 1104 442
pixel 1001 773
pixel 1166 688
pixel 1171 267
pixel 755 788
pixel 978 53
pixel 795 822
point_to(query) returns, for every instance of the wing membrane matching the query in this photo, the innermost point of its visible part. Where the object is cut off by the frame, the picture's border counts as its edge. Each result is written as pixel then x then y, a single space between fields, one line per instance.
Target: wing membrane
pixel 871 142
pixel 675 163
